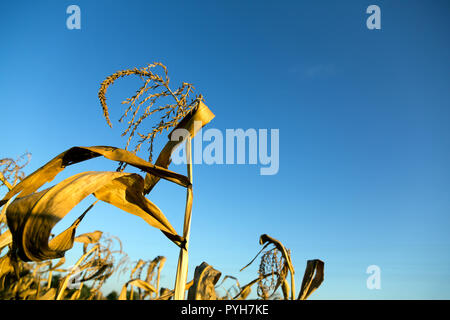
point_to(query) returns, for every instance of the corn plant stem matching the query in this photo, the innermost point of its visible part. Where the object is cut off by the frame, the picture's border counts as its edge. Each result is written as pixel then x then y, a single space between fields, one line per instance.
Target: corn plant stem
pixel 49 281
pixel 182 268
pixel 292 286
pixel 157 282
pixel 38 290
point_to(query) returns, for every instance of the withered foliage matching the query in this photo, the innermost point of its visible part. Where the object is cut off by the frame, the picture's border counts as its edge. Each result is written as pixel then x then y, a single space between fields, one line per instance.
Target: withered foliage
pixel 274 267
pixel 34 265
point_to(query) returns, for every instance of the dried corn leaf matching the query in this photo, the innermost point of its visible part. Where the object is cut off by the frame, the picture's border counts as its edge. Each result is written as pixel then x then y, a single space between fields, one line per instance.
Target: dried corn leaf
pixel 137 283
pixel 3 212
pixel 138 266
pixel 205 279
pixel 158 262
pixel 48 295
pixel 5 239
pixel 89 238
pixel 200 114
pixel 59 263
pixel 78 154
pixel 96 268
pixel 312 279
pixel 165 294
pixel 31 218
pixel 6 266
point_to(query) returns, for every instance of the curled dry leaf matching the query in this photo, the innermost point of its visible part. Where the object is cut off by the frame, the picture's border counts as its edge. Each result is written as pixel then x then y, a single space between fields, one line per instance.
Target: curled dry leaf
pixel 196 119
pixel 137 283
pixel 88 238
pixel 32 214
pixel 158 263
pixel 5 239
pixel 312 279
pixel 32 217
pixel 205 279
pixel 78 154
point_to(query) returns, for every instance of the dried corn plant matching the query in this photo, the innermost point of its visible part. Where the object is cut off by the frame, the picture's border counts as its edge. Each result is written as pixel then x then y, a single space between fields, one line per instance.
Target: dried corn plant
pixel 27 280
pixel 99 261
pixel 47 280
pixel 32 213
pixel 275 265
pixel 148 287
pixel 204 282
pixel 29 213
pixel 10 174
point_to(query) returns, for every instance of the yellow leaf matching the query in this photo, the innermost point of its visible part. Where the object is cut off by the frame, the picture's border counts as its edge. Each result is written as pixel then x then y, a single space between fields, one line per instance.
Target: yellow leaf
pixel 31 218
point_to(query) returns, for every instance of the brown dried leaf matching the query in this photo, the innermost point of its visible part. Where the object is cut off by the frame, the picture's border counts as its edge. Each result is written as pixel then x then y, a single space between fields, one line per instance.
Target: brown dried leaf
pixel 48 295
pixel 89 238
pixel 205 279
pixel 78 154
pixel 137 283
pixel 313 278
pixel 5 239
pixel 31 218
pixel 200 114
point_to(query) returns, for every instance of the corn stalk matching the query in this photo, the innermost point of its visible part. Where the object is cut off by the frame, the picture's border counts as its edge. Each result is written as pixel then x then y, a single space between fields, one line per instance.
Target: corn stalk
pixel 182 268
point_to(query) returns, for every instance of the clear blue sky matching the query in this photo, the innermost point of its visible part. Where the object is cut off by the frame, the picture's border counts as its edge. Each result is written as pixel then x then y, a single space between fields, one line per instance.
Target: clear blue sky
pixel 363 117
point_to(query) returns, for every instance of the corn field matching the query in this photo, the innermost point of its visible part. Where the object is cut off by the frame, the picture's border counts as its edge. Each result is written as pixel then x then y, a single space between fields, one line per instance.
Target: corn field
pixel 32 257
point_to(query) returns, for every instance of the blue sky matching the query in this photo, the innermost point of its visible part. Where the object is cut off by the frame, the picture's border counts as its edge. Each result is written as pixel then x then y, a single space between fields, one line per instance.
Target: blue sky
pixel 363 118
